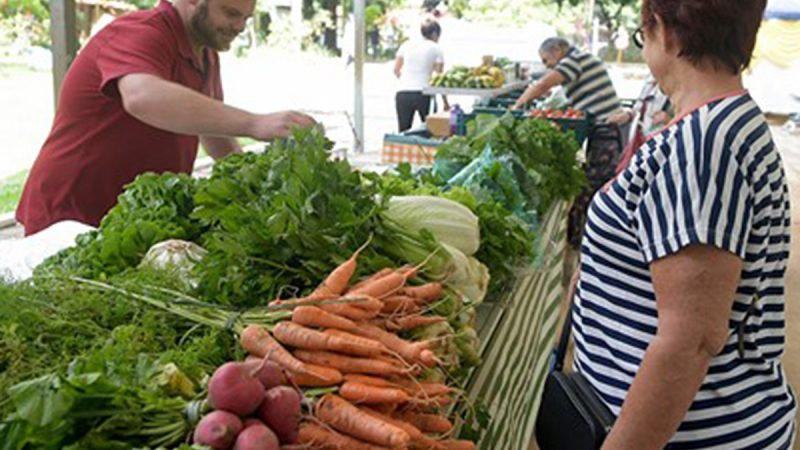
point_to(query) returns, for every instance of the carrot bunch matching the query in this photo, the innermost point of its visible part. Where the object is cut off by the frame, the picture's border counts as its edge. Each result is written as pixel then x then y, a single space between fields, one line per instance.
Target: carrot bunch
pixel 347 337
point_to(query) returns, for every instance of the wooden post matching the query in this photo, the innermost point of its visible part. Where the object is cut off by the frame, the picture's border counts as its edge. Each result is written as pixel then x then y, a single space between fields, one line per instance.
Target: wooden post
pixel 65 40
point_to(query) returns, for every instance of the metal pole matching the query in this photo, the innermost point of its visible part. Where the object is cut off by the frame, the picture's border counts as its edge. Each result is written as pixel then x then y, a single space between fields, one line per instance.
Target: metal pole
pixel 64 38
pixel 590 26
pixel 358 107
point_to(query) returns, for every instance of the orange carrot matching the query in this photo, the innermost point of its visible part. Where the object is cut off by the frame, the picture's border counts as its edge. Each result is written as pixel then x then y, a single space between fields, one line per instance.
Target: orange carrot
pixel 413 432
pixel 346 418
pixel 332 377
pixel 405 323
pixel 371 381
pixel 356 340
pixel 362 393
pixel 400 304
pixel 369 303
pixel 349 311
pixel 428 423
pixel 423 388
pixel 298 336
pixel 297 301
pixel 424 293
pixel 383 286
pixel 409 351
pixel 256 340
pixel 312 316
pixel 337 280
pixel 321 438
pixel 379 274
pixel 348 364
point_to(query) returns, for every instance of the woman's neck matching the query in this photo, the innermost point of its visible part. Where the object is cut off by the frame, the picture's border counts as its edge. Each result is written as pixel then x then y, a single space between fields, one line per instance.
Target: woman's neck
pixel 693 86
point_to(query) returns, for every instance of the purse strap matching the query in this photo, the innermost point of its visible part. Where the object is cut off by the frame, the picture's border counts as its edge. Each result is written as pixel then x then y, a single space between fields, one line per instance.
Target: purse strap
pixel 563 341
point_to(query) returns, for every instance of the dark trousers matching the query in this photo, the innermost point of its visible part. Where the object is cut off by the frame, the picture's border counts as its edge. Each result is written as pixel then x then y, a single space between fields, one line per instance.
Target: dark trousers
pixel 408 103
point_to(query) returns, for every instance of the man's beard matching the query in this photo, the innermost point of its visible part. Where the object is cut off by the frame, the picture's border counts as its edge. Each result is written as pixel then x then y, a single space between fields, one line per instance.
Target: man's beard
pixel 204 31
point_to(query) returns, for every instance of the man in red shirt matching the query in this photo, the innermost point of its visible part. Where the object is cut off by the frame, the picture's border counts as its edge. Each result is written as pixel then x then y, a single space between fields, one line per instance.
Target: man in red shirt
pixel 138 98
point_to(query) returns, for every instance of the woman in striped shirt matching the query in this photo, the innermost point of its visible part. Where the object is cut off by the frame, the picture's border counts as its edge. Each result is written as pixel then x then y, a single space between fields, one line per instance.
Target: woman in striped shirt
pixel 679 307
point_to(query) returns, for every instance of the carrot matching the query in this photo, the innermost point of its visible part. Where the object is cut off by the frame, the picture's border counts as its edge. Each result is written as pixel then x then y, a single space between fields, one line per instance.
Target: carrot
pixel 297 301
pixel 405 323
pixel 337 280
pixel 348 364
pixel 371 381
pixel 362 393
pixel 256 340
pixel 312 316
pixel 383 286
pixel 349 311
pixel 298 336
pixel 409 351
pixel 369 303
pixel 400 304
pixel 321 438
pixel 428 423
pixel 356 340
pixel 413 432
pixel 424 388
pixel 379 274
pixel 346 418
pixel 424 293
pixel 332 377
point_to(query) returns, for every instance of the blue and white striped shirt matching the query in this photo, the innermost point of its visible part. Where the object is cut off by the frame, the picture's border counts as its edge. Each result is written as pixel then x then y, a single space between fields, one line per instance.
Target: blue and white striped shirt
pixel 713 177
pixel 587 83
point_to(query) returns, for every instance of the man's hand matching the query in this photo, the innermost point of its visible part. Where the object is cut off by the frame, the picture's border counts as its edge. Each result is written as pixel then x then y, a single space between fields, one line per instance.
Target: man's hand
pixel 266 127
pixel 661 118
pixel 620 117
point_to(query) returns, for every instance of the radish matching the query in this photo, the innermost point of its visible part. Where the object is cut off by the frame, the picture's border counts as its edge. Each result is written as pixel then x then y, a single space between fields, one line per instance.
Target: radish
pixel 250 421
pixel 218 430
pixel 268 373
pixel 281 411
pixel 256 437
pixel 234 388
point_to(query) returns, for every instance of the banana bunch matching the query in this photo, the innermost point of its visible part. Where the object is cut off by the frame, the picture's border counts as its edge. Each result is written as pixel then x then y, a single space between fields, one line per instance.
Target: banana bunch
pixel 481 77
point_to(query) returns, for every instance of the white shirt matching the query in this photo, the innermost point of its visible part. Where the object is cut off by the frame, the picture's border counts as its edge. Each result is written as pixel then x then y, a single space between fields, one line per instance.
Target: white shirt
pixel 419 57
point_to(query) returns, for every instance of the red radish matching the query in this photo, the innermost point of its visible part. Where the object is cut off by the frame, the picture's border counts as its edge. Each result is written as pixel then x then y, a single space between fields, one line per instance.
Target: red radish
pixel 218 430
pixel 268 373
pixel 256 437
pixel 281 412
pixel 234 388
pixel 250 421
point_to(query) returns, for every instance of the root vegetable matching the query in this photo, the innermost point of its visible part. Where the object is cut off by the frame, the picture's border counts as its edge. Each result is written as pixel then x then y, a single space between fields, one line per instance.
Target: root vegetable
pixel 256 437
pixel 234 388
pixel 268 373
pixel 217 430
pixel 281 411
pixel 321 438
pixel 298 336
pixel 346 418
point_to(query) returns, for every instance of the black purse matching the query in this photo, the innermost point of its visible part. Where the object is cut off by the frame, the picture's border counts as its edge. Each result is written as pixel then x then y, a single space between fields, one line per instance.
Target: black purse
pixel 571 415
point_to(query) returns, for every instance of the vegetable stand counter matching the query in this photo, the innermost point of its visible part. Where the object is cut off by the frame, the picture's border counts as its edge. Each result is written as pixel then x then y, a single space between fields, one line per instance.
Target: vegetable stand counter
pixel 482 94
pixel 517 337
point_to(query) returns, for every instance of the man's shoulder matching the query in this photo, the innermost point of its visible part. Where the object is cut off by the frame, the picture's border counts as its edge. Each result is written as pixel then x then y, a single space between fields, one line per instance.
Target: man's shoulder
pixel 149 20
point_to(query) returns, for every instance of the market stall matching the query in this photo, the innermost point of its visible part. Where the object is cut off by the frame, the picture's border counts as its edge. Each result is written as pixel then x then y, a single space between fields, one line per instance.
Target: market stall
pixel 416 294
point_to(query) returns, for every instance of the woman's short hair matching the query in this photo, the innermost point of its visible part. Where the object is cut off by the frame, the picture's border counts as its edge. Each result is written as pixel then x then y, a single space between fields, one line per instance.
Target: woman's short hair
pixel 430 28
pixel 720 31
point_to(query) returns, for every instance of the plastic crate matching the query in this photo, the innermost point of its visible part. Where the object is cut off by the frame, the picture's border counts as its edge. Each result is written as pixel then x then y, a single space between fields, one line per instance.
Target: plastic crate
pixel 581 128
pixel 409 148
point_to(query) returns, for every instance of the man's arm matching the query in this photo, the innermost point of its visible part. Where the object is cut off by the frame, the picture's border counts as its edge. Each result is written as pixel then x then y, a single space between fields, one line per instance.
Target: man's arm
pixel 550 80
pixel 176 108
pixel 220 147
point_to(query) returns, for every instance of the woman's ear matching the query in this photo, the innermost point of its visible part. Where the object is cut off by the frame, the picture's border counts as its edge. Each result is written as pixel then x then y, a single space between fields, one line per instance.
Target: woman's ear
pixel 663 36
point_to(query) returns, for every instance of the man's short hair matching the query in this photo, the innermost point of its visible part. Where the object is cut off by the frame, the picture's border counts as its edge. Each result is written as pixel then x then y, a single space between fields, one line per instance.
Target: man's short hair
pixel 555 43
pixel 430 28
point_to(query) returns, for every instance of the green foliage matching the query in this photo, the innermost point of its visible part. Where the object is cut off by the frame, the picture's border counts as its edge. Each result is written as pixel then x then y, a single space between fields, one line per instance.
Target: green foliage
pixel 11 190
pixel 152 208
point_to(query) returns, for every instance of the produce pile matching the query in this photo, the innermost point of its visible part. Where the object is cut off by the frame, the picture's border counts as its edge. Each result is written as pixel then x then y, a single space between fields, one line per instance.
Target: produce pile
pixel 565 113
pixel 480 77
pixel 285 300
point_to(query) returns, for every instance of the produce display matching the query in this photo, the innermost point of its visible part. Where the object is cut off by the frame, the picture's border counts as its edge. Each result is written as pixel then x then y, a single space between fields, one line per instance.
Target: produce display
pixel 480 77
pixel 567 113
pixel 287 301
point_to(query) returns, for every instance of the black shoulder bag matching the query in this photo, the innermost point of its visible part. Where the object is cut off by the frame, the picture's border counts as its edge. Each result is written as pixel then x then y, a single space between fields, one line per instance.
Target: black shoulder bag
pixel 571 416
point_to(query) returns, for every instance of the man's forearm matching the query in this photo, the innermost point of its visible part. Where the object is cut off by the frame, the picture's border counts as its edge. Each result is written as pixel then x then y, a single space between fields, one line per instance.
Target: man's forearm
pixel 172 107
pixel 662 392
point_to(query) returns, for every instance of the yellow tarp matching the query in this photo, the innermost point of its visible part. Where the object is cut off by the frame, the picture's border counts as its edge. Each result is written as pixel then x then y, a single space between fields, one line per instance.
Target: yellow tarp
pixel 778 42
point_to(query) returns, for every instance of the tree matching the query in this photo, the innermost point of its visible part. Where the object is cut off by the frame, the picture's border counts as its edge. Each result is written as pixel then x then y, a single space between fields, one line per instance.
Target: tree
pixel 612 13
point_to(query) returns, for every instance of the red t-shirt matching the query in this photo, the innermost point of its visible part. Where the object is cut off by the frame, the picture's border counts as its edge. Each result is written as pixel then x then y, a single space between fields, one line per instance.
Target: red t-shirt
pixel 95 147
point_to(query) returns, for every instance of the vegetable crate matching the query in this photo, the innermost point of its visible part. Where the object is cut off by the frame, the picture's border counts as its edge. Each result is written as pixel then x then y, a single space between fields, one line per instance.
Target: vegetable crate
pixel 412 149
pixel 580 127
